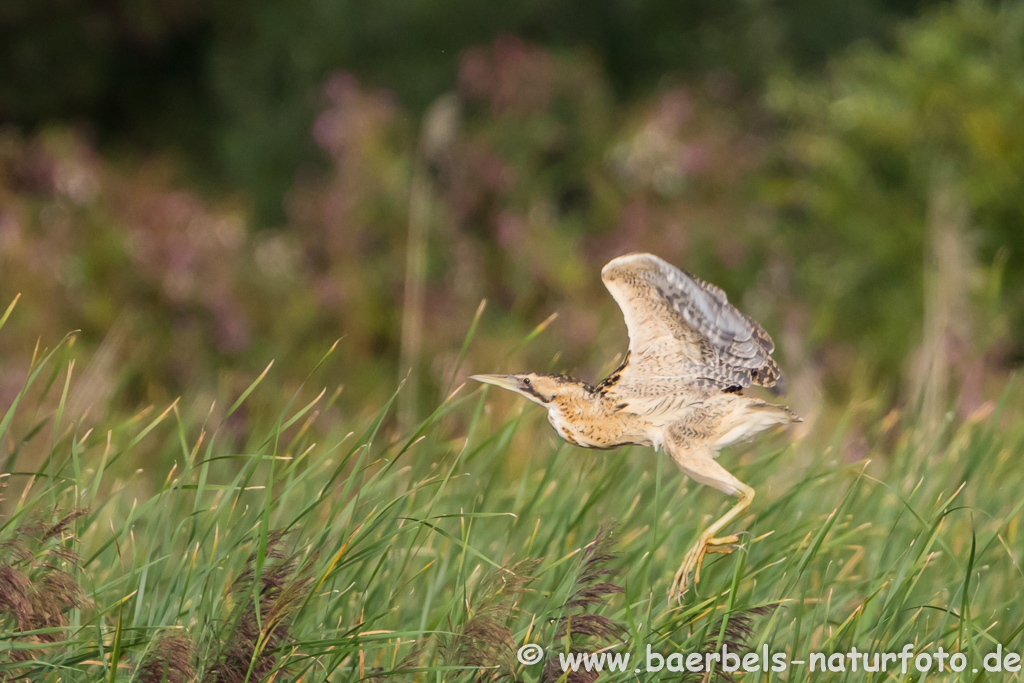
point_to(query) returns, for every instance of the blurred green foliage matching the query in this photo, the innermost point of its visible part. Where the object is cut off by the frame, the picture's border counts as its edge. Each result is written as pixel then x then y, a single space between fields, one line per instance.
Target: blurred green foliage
pixel 818 208
pixel 232 86
pixel 869 152
pixel 536 179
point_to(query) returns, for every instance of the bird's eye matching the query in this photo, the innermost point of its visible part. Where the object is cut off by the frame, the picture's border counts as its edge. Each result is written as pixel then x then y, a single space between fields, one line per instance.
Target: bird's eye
pixel 526 381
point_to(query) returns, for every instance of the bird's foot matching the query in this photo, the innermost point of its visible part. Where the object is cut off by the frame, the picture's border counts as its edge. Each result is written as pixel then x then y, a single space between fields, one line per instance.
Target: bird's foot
pixel 695 559
pixel 724 545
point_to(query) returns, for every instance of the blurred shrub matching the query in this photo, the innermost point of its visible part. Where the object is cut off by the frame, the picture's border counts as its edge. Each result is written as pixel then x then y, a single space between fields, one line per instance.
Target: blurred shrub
pixel 231 85
pixel 126 257
pixel 266 60
pixel 875 151
pixel 536 180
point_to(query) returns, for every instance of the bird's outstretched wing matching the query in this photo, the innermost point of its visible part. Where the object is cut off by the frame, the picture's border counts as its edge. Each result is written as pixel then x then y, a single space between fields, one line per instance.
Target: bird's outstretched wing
pixel 683 328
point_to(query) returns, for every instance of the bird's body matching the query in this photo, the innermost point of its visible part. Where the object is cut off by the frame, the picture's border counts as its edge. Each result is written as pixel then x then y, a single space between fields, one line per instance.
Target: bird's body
pixel 680 388
pixel 606 416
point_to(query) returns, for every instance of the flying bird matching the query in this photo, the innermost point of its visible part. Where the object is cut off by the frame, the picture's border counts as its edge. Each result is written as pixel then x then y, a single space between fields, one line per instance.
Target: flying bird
pixel 680 387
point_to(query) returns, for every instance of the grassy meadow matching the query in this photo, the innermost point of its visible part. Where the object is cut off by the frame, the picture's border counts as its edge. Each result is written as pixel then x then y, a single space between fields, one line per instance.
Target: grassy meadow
pixel 285 233
pixel 348 552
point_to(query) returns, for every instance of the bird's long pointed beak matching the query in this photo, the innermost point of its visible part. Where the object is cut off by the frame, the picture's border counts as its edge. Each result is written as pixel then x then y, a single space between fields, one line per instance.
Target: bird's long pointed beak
pixel 504 381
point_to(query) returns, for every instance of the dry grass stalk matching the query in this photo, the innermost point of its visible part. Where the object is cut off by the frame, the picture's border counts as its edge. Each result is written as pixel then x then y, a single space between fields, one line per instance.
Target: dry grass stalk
pixel 36 592
pixel 170 660
pixel 485 642
pixel 251 652
pixel 578 626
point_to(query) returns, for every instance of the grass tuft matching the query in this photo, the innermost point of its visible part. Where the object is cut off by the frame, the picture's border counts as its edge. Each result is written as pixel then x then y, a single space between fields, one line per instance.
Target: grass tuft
pixel 36 588
pixel 485 642
pixel 171 659
pixel 271 589
pixel 733 632
pixel 577 628
pixel 314 546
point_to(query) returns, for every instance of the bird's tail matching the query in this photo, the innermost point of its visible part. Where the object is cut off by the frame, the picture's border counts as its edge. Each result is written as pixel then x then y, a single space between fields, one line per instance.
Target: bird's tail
pixel 780 414
pixel 754 417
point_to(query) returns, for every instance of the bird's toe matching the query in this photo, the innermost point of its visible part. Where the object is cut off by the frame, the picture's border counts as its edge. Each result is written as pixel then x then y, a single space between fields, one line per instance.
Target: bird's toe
pixel 724 540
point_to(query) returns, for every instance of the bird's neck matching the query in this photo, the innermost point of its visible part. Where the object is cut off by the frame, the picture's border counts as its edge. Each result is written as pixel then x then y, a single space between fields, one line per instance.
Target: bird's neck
pixel 578 400
pixel 585 417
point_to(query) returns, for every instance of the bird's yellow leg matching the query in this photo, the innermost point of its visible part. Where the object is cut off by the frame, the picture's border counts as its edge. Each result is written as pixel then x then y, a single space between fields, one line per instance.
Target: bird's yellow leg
pixel 709 543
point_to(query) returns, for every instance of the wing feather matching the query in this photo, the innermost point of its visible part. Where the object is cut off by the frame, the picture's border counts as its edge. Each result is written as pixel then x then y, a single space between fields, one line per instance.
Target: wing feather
pixel 683 327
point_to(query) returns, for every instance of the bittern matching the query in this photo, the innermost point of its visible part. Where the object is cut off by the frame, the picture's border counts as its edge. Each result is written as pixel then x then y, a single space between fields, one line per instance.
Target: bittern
pixel 680 387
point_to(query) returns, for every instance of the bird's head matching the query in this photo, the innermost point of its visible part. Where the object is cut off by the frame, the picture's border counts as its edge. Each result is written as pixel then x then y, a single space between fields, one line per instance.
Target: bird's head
pixel 539 388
